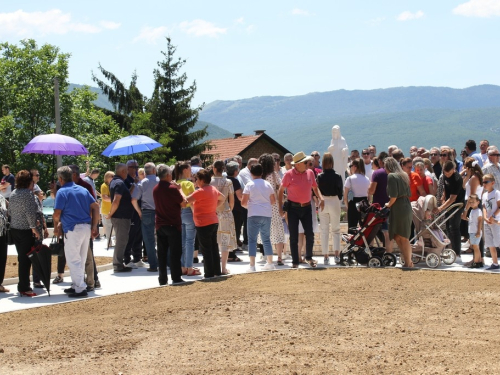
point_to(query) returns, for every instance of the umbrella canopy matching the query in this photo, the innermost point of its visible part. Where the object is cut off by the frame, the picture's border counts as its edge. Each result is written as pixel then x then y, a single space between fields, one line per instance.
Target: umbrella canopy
pixel 41 260
pixel 131 145
pixel 55 144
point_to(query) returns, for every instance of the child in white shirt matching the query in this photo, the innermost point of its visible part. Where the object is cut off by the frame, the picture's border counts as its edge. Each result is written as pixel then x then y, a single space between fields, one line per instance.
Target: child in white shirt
pixel 491 216
pixel 475 224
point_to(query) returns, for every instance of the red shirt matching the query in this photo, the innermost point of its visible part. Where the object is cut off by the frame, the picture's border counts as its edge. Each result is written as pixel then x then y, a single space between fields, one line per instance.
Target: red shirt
pixel 205 206
pixel 86 185
pixel 299 185
pixel 168 201
pixel 415 182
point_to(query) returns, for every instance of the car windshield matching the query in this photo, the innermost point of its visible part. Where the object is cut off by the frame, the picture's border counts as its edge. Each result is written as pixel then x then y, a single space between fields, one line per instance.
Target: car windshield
pixel 49 202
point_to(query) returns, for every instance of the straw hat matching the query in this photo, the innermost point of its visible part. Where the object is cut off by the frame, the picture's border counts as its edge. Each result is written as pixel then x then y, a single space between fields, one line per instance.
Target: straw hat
pixel 299 157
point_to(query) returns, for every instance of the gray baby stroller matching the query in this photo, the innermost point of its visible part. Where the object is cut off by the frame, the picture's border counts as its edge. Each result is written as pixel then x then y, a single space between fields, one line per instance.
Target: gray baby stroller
pixel 430 242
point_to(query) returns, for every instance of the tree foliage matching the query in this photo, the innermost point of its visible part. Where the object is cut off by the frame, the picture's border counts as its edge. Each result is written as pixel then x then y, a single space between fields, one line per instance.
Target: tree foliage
pixel 27 109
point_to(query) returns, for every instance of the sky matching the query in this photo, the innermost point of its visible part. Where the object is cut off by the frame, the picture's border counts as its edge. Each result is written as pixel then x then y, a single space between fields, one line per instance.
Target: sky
pixel 236 50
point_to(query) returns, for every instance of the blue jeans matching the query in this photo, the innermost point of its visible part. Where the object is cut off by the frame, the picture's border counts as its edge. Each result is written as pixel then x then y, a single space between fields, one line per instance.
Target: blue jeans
pixel 148 236
pixel 256 224
pixel 188 236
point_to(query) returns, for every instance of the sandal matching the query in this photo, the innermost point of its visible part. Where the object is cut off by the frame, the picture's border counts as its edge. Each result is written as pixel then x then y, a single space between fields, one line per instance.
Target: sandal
pixel 234 259
pixel 311 262
pixel 57 280
pixel 280 262
pixel 195 272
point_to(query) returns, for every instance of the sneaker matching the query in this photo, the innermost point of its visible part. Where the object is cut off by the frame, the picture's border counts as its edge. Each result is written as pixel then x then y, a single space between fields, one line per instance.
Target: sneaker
pixel 477 265
pixel 337 260
pixel 131 265
pixel 493 267
pixel 140 263
pixel 82 294
pixel 97 284
pixel 326 261
pixel 458 260
pixel 262 259
pixel 287 256
pixel 58 280
pixel 268 267
pixel 244 247
pixel 251 269
pixel 69 290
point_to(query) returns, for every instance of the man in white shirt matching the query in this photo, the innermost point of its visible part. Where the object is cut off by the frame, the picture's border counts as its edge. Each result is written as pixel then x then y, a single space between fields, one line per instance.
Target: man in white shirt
pixel 483 146
pixel 368 163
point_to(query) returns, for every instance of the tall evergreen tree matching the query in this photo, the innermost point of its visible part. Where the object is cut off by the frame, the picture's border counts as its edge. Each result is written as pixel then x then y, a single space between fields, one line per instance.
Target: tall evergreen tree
pixel 171 111
pixel 125 101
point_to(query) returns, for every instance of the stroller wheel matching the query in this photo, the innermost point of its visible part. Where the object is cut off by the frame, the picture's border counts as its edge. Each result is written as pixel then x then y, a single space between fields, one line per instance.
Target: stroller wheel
pixel 415 258
pixel 375 262
pixel 347 259
pixel 448 256
pixel 389 260
pixel 433 260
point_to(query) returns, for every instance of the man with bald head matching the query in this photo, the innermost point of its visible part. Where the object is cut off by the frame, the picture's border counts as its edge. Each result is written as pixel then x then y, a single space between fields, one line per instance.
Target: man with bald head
pixel 120 215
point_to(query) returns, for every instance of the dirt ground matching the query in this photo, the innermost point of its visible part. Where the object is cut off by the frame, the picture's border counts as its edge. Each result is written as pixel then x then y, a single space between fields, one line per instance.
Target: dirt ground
pixel 11 268
pixel 360 321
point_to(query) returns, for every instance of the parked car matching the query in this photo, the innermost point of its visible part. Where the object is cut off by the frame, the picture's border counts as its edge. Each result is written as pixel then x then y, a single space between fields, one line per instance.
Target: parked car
pixel 48 210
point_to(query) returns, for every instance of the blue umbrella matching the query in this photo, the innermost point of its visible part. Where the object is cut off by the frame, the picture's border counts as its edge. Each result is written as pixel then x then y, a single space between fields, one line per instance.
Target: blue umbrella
pixel 131 145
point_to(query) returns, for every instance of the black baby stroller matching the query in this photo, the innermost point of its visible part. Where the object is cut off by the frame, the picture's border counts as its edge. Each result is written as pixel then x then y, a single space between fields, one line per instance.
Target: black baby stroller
pixel 358 249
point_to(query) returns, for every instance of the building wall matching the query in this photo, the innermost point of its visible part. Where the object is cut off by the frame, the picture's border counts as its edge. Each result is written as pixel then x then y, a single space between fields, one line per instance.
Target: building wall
pixel 260 147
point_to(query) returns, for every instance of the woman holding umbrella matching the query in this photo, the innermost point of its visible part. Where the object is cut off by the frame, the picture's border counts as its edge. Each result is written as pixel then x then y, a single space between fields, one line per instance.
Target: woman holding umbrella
pixel 22 211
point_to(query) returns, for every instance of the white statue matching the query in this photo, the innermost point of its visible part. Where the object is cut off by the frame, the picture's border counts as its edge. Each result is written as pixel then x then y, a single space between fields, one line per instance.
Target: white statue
pixel 339 150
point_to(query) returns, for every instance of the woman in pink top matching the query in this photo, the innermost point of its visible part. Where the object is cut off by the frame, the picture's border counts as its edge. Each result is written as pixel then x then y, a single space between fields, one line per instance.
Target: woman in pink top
pixel 204 202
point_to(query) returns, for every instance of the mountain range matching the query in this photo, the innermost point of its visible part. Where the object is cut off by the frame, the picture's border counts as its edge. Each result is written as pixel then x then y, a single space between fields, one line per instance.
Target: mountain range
pixel 405 116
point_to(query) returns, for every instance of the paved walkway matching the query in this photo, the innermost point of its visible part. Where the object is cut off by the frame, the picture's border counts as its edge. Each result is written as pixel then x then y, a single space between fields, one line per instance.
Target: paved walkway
pixel 140 279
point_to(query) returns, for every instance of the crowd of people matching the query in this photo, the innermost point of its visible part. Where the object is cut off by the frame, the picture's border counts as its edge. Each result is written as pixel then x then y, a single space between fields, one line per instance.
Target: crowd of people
pixel 161 215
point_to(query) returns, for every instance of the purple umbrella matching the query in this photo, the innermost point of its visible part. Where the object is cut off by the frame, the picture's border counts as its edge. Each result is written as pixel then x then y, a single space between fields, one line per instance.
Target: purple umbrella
pixel 55 144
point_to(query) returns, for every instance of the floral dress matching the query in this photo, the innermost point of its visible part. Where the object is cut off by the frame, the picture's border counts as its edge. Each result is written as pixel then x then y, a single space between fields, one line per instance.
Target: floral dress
pixel 277 229
pixel 226 233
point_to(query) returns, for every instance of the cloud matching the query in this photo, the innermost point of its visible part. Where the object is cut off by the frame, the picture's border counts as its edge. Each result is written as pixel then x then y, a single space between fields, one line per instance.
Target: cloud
pixel 239 21
pixel 110 25
pixel 151 34
pixel 478 8
pixel 376 21
pixel 202 28
pixel 407 15
pixel 250 29
pixel 300 12
pixel 26 24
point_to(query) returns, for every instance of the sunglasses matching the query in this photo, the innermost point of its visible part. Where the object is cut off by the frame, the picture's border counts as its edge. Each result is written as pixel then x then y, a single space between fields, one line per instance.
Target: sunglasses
pixel 315 155
pixel 443 155
pixel 486 182
pixel 495 155
pixel 366 153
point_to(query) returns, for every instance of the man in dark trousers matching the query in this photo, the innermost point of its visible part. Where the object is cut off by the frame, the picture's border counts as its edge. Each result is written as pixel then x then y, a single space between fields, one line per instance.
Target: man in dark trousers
pixel 168 200
pixel 133 250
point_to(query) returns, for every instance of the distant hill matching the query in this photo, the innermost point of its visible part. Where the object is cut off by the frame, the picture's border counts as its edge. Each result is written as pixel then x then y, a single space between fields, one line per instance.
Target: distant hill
pixel 214 131
pixel 423 116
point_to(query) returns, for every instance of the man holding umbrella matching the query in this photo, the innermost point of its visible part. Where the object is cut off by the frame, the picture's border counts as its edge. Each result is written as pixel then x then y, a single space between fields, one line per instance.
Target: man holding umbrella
pixel 78 212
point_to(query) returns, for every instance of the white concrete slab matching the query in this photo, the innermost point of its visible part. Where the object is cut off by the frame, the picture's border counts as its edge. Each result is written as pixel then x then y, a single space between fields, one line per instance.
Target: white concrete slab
pixel 140 279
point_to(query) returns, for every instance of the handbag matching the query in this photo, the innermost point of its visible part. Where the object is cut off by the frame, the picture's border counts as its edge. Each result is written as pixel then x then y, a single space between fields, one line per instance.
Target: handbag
pixel 56 247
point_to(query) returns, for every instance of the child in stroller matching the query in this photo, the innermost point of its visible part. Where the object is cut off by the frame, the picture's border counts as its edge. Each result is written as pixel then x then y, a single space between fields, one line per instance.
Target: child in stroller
pixel 358 249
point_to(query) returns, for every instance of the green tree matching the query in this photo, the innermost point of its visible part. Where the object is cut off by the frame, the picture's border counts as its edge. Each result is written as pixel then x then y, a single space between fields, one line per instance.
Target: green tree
pixel 125 101
pixel 27 104
pixel 171 110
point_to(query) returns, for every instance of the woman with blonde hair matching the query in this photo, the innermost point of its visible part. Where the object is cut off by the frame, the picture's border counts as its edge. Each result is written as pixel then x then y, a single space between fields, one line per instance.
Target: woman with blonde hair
pixel 106 203
pixel 400 218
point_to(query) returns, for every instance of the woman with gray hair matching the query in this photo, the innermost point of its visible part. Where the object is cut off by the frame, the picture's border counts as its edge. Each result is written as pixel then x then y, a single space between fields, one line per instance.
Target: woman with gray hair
pixel 400 218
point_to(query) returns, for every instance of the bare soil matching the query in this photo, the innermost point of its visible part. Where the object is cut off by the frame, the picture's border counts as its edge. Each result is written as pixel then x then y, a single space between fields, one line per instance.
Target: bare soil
pixel 360 321
pixel 12 271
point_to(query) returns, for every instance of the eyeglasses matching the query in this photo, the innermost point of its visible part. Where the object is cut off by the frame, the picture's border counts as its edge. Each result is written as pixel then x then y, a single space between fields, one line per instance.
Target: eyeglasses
pixel 315 155
pixel 495 155
pixel 486 182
